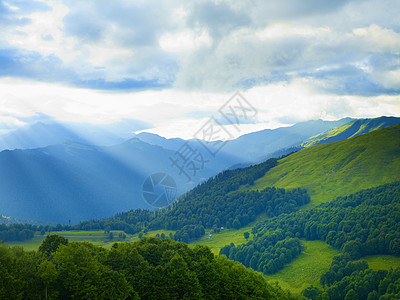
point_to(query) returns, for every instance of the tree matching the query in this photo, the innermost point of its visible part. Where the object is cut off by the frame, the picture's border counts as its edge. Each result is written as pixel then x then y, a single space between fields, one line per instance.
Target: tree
pixel 82 276
pixel 110 236
pixel 246 235
pixel 47 273
pixel 51 243
pixel 351 295
pixel 236 223
pixel 183 284
pixel 311 292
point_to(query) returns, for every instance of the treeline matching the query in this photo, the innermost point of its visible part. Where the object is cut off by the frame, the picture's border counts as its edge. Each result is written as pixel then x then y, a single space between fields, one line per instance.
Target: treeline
pixel 230 180
pixel 365 223
pixel 147 269
pixel 233 210
pixel 16 232
pixel 347 279
pixel 189 233
pixel 267 255
pixel 131 222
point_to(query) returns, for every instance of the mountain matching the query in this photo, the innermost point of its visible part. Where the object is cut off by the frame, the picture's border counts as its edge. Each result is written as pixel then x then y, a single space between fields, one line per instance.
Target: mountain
pixel 73 181
pixel 351 129
pixel 50 131
pixel 155 139
pixel 340 168
pixel 358 177
pixel 77 181
pixel 260 145
pixel 277 186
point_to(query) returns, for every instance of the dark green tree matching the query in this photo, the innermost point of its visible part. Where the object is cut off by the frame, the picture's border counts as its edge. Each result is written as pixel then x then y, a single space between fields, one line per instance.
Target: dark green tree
pixel 51 243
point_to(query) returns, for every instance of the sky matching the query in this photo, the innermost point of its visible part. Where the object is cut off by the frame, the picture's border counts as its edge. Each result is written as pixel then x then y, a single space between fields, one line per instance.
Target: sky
pixel 173 64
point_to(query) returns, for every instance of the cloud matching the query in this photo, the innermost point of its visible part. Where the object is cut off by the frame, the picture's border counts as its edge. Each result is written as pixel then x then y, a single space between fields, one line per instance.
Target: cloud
pixel 208 46
pixel 11 10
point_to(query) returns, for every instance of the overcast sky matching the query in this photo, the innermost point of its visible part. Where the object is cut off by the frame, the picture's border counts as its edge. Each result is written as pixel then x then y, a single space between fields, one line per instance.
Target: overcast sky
pixel 173 63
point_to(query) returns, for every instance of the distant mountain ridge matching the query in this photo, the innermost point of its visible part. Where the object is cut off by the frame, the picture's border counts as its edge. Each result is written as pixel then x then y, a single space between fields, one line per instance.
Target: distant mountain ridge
pixel 260 145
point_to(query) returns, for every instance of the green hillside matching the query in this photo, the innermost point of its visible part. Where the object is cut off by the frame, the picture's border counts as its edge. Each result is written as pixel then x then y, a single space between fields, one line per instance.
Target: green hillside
pixel 307 268
pixel 337 169
pixel 351 129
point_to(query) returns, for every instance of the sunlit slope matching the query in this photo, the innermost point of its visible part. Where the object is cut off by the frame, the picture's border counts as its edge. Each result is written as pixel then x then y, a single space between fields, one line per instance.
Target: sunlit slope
pixel 351 129
pixel 340 168
pixel 307 268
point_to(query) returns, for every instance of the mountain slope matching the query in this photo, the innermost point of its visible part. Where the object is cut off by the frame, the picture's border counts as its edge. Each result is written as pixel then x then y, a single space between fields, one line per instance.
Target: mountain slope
pixel 76 182
pixel 340 168
pixel 351 129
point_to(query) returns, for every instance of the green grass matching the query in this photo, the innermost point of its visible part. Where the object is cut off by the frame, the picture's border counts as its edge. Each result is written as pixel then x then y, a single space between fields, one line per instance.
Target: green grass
pixel 342 168
pixel 29 245
pixel 314 140
pixel 306 269
pixel 382 262
pixel 95 237
pixel 227 236
pixel 351 129
pixel 153 233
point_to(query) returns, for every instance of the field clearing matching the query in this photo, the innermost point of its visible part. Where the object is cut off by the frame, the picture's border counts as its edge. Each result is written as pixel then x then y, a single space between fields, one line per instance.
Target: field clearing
pixel 98 238
pixel 382 262
pixel 153 233
pixel 227 236
pixel 29 245
pixel 307 268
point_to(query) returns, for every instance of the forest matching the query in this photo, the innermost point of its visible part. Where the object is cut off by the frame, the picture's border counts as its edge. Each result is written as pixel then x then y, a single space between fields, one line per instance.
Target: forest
pixel 348 279
pixel 17 232
pixel 361 224
pixel 150 268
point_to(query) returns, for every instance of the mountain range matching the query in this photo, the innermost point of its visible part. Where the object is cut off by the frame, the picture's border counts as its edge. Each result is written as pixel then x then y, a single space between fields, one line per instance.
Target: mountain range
pixel 77 181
